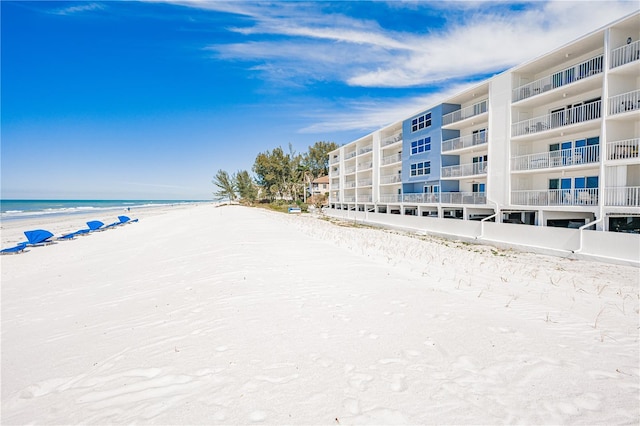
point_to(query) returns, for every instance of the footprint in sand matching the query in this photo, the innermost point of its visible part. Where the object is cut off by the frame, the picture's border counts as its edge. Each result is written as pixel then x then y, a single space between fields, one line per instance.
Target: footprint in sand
pixel 360 381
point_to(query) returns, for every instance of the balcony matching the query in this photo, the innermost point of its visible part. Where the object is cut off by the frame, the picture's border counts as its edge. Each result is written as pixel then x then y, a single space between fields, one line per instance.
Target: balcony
pixel 349 170
pixel 624 149
pixel 349 199
pixel 464 113
pixel 566 117
pixel 625 102
pixel 365 166
pixel 365 182
pixel 349 185
pixel 625 196
pixel 390 140
pixel 391 159
pixel 556 197
pixel 462 170
pixel 463 198
pixel 464 142
pixel 350 155
pixel 561 78
pixel 365 150
pixel 420 198
pixel 625 54
pixel 388 180
pixel 334 160
pixel 364 198
pixel 390 198
pixel 560 158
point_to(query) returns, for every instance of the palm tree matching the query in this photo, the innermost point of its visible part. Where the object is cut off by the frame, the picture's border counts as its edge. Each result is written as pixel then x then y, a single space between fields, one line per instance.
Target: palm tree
pixel 226 184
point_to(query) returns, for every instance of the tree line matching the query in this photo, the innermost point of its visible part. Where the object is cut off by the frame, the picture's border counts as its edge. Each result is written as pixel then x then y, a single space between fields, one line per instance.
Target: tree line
pixel 278 175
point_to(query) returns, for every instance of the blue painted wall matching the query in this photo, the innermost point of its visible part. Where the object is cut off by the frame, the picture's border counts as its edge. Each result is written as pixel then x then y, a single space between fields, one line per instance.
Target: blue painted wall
pixel 416 184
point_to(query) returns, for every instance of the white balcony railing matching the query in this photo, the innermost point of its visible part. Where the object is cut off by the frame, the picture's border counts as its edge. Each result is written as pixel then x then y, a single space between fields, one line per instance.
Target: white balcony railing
pixel 560 158
pixel 628 196
pixel 390 140
pixel 464 142
pixel 625 54
pixel 365 166
pixel 585 69
pixel 334 160
pixel 390 159
pixel 464 113
pixel 461 170
pixel 350 199
pixel 365 198
pixel 566 117
pixel 556 197
pixel 625 102
pixel 365 182
pixel 420 198
pixel 620 150
pixel 349 170
pixel 446 198
pixel 386 180
pixel 350 155
pixel 350 184
pixel 463 198
pixel 390 198
pixel 365 150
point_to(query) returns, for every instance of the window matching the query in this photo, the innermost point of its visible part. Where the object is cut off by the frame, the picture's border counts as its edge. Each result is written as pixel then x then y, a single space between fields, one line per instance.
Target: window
pixel 566 190
pixel 575 152
pixel 422 168
pixel 421 145
pixel 479 136
pixel 421 122
pixel 478 187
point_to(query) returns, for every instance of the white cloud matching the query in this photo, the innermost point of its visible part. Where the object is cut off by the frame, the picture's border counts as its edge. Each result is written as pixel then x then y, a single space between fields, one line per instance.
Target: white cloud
pixel 85 7
pixel 481 40
pixel 294 43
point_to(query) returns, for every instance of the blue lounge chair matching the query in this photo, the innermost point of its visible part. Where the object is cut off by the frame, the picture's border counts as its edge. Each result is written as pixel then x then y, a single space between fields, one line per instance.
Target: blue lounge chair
pixel 94 225
pixel 121 221
pixel 14 250
pixel 38 237
pixel 126 219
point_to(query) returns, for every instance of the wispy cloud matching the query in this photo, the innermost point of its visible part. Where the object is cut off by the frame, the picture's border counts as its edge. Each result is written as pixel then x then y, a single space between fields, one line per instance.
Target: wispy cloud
pixel 289 43
pixel 310 41
pixel 85 7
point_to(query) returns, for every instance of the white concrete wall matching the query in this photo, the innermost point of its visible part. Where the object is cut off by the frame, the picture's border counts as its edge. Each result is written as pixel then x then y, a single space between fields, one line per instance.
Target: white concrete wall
pixel 612 247
pixel 498 180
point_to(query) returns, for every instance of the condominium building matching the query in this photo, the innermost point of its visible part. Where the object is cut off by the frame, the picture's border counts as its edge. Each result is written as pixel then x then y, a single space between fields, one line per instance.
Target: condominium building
pixel 551 142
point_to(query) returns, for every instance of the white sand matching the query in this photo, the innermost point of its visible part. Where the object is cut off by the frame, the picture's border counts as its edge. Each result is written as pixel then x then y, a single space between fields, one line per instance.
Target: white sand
pixel 233 315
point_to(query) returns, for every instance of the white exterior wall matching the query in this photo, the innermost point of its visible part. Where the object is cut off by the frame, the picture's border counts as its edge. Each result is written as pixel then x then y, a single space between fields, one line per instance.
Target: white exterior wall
pixel 498 179
pixel 522 128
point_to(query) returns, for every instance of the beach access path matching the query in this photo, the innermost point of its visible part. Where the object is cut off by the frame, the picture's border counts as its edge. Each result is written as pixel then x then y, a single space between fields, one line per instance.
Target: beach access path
pixel 236 315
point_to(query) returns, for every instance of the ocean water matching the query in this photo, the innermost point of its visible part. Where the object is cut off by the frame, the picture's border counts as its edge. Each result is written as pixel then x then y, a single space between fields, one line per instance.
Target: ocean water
pixel 29 209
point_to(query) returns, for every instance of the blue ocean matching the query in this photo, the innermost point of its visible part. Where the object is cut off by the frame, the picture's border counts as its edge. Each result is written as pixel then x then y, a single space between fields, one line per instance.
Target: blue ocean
pixel 29 209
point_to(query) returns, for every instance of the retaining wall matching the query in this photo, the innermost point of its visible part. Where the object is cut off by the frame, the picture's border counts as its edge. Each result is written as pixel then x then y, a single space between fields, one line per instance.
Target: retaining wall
pixel 611 247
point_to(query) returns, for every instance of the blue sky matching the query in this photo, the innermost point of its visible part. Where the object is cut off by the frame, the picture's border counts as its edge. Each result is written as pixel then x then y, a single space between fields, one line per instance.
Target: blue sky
pixel 147 100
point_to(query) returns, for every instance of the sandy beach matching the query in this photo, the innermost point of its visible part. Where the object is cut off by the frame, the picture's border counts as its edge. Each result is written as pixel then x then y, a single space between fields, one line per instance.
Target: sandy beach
pixel 234 315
